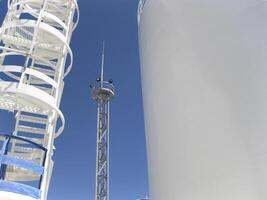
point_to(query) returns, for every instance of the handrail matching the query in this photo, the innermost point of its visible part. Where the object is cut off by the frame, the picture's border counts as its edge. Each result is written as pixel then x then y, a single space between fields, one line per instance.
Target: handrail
pixel 49 29
pixel 76 9
pixel 24 140
pixel 41 96
pixel 78 15
pixel 20 69
pixel 5 160
pixel 14 52
pixel 109 86
pixel 20 188
pixel 105 85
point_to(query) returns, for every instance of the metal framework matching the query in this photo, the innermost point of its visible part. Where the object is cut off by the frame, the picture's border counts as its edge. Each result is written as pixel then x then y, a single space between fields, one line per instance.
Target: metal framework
pixel 35 56
pixel 102 93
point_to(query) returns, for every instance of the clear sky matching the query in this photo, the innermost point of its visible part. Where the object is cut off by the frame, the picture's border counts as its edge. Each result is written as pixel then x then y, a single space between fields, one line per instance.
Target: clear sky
pixel 74 173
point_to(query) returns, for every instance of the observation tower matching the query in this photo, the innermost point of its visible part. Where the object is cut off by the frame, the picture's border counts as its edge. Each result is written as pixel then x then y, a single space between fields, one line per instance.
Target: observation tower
pixel 35 56
pixel 102 93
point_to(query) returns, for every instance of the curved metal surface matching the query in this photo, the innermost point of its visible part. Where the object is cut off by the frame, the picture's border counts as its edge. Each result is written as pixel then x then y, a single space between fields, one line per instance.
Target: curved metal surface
pixel 204 79
pixel 13 196
pixel 19 189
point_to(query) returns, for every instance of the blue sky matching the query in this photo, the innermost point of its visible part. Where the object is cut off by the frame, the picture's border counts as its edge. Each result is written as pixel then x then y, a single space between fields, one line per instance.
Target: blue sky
pixel 74 172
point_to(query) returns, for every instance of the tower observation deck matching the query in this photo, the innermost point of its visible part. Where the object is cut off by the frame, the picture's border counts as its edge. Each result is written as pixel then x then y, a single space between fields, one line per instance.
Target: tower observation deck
pixel 102 93
pixel 35 56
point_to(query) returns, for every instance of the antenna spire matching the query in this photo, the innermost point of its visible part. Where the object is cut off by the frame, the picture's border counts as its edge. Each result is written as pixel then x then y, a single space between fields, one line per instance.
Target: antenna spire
pixel 103 63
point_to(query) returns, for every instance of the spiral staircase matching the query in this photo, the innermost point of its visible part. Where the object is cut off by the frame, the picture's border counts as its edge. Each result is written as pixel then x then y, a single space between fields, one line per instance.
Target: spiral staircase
pixel 35 56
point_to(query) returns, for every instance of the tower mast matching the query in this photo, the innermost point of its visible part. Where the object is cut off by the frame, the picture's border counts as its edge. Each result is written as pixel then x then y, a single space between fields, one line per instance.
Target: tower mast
pixel 102 94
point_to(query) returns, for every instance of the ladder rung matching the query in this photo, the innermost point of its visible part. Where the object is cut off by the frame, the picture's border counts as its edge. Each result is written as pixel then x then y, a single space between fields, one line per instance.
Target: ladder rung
pixel 26 156
pixel 44 71
pixel 28 129
pixel 40 62
pixel 25 149
pixel 32 119
pixel 45 89
pixel 26 43
pixel 35 140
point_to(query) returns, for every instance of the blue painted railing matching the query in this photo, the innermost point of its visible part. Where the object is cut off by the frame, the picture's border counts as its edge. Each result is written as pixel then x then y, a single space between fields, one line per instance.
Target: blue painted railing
pixel 6 160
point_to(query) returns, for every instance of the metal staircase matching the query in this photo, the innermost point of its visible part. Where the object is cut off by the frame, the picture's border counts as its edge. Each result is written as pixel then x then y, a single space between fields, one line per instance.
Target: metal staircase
pixel 34 58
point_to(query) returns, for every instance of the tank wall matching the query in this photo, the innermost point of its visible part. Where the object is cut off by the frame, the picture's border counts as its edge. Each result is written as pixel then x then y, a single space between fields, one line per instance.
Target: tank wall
pixel 204 79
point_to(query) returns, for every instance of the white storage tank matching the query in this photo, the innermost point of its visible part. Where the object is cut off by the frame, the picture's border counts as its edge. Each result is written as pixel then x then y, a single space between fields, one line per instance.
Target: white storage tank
pixel 204 79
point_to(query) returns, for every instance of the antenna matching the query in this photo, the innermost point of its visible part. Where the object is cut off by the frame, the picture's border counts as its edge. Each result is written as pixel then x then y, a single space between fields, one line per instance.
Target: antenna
pixel 102 64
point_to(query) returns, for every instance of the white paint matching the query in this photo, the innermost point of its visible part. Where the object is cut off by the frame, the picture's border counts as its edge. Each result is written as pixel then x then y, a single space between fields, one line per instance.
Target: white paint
pixel 204 78
pixel 13 196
